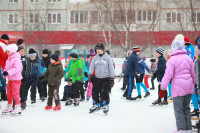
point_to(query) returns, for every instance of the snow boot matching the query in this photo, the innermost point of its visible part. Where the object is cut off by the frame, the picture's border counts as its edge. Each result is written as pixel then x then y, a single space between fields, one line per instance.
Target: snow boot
pixel 195 113
pixel 88 98
pixel 170 98
pixel 164 103
pixel 156 102
pixel 135 98
pixel 123 89
pixel 147 94
pixel 152 88
pixel 48 107
pixel 68 102
pixel 105 107
pixel 76 102
pixel 95 107
pixel 42 99
pixel 33 101
pixel 56 108
pixel 8 109
pixel 17 109
pixel 23 105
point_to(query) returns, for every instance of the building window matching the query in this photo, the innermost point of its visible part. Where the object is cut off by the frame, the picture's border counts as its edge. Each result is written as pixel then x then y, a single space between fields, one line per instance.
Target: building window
pixel 196 17
pixel 54 18
pixel 79 17
pixel 54 1
pixel 131 16
pixel 94 17
pixel 12 0
pixel 119 17
pixel 13 18
pixel 34 18
pixel 34 0
pixel 173 17
pixel 146 16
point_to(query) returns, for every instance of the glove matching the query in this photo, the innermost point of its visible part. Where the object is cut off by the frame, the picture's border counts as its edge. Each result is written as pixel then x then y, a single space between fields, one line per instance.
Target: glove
pixel 85 73
pixel 161 93
pixel 5 73
pixel 41 78
pixel 90 78
pixel 112 82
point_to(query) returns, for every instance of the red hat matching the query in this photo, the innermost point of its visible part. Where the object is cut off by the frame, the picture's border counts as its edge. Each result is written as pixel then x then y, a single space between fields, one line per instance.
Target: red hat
pixel 136 49
pixel 186 39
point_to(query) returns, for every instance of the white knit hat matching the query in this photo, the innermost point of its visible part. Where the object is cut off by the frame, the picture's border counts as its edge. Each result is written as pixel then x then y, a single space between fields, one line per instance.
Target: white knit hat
pixel 178 44
pixel 12 48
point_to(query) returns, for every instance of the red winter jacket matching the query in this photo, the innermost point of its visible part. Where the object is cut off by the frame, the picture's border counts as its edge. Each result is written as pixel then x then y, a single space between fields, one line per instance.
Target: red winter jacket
pixel 3 54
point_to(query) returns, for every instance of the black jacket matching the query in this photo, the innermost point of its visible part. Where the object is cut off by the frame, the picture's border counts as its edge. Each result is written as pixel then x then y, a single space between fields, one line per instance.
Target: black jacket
pixel 159 73
pixel 46 61
pixel 24 63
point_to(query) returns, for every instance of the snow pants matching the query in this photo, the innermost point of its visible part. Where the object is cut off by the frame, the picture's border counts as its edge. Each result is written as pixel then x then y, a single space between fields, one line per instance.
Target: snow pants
pixel 13 89
pixel 31 82
pixel 195 100
pixel 23 90
pixel 89 91
pixel 182 112
pixel 53 93
pixel 139 83
pixel 129 88
pixel 146 78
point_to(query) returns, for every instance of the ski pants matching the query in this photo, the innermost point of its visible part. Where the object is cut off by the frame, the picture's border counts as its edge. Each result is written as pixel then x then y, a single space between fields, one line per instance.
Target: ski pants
pixel 40 88
pixel 146 78
pixel 31 82
pixel 53 93
pixel 195 100
pixel 13 89
pixel 152 81
pixel 129 88
pixel 23 90
pixel 139 82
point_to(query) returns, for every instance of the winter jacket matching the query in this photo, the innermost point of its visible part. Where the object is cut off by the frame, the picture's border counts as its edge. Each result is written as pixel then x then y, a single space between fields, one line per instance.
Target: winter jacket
pixel 103 66
pixel 54 74
pixel 180 69
pixel 24 63
pixel 132 65
pixel 14 67
pixel 142 66
pixel 153 67
pixel 190 51
pixel 76 71
pixel 197 71
pixel 3 54
pixel 124 66
pixel 159 73
pixel 34 68
pixel 46 61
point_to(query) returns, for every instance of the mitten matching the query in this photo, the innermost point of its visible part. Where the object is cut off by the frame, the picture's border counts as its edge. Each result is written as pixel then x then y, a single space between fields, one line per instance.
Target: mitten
pixel 5 73
pixel 85 73
pixel 161 93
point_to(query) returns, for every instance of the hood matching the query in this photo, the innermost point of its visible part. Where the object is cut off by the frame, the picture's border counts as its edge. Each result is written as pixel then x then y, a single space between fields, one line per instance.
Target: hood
pixel 75 51
pixel 177 52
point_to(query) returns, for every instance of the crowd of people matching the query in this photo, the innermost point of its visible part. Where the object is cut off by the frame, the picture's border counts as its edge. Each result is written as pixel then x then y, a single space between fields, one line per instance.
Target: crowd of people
pixel 177 69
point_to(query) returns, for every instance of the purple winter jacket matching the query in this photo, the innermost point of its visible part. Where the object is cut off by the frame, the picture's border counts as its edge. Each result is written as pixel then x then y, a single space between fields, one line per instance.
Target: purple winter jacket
pixel 180 69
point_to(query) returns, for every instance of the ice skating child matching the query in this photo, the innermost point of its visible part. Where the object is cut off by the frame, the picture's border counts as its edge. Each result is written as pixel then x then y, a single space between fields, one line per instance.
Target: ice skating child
pixel 54 74
pixel 159 74
pixel 66 90
pixel 167 56
pixel 189 47
pixel 34 71
pixel 13 71
pixel 140 76
pixel 130 72
pixel 104 70
pixel 90 85
pixel 153 68
pixel 24 80
pixel 180 69
pixel 76 71
pixel 124 77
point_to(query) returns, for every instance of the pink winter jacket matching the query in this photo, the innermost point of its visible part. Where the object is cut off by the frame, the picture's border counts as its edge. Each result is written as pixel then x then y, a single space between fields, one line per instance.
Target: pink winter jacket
pixel 14 67
pixel 180 69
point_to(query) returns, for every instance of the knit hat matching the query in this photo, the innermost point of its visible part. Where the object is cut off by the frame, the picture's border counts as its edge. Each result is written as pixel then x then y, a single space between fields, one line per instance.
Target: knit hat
pixel 177 45
pixel 20 41
pixel 153 60
pixel 179 37
pixel 187 40
pixel 74 54
pixel 168 52
pixel 55 57
pixel 5 37
pixel 20 48
pixel 92 52
pixel 45 51
pixel 32 52
pixel 100 46
pixel 69 80
pixel 160 50
pixel 12 48
pixel 136 49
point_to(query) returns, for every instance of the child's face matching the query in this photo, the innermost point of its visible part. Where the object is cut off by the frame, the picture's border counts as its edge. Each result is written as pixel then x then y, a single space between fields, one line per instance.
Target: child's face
pixel 45 55
pixel 73 58
pixel 52 61
pixel 9 53
pixel 158 54
pixel 99 51
pixel 32 58
pixel 22 52
pixel 137 53
pixel 69 83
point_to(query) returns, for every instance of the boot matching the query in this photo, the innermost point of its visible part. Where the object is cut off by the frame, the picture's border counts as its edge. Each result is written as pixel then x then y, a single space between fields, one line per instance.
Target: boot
pixel 88 98
pixel 58 107
pixel 33 101
pixel 48 107
pixel 135 98
pixel 195 113
pixel 8 109
pixel 68 102
pixel 76 102
pixel 156 102
pixel 42 99
pixel 147 94
pixel 95 107
pixel 23 105
pixel 105 107
pixel 17 109
pixel 164 103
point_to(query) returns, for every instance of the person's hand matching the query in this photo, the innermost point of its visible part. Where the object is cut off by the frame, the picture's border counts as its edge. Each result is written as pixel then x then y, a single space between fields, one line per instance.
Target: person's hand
pixel 112 82
pixel 5 73
pixel 86 75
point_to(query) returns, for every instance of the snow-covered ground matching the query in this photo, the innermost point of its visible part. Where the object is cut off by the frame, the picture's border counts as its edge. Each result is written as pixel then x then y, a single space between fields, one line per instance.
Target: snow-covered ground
pixel 124 117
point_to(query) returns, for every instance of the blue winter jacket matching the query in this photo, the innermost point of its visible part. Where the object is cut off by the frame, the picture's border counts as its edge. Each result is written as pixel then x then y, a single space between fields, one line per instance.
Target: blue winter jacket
pixel 190 51
pixel 34 68
pixel 132 65
pixel 160 68
pixel 142 66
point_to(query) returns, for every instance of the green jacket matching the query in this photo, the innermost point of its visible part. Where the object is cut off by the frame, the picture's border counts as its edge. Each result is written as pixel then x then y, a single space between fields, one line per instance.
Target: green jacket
pixel 54 73
pixel 76 71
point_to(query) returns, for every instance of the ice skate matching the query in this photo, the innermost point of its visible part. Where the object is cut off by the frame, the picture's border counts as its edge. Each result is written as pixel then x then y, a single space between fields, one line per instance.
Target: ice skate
pixel 48 107
pixel 105 108
pixel 76 102
pixel 156 102
pixel 147 94
pixel 135 98
pixel 8 109
pixel 95 107
pixel 68 102
pixel 17 109
pixel 23 105
pixel 56 108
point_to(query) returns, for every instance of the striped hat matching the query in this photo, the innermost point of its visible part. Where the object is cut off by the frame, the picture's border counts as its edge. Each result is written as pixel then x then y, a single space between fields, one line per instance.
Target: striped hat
pixel 160 50
pixel 136 49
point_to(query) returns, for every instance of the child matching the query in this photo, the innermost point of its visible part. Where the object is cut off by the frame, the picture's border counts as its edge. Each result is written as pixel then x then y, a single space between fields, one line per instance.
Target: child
pixel 140 76
pixel 124 77
pixel 159 74
pixel 180 69
pixel 153 68
pixel 104 70
pixel 66 90
pixel 13 71
pixel 54 74
pixel 33 72
pixel 189 47
pixel 24 80
pixel 76 71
